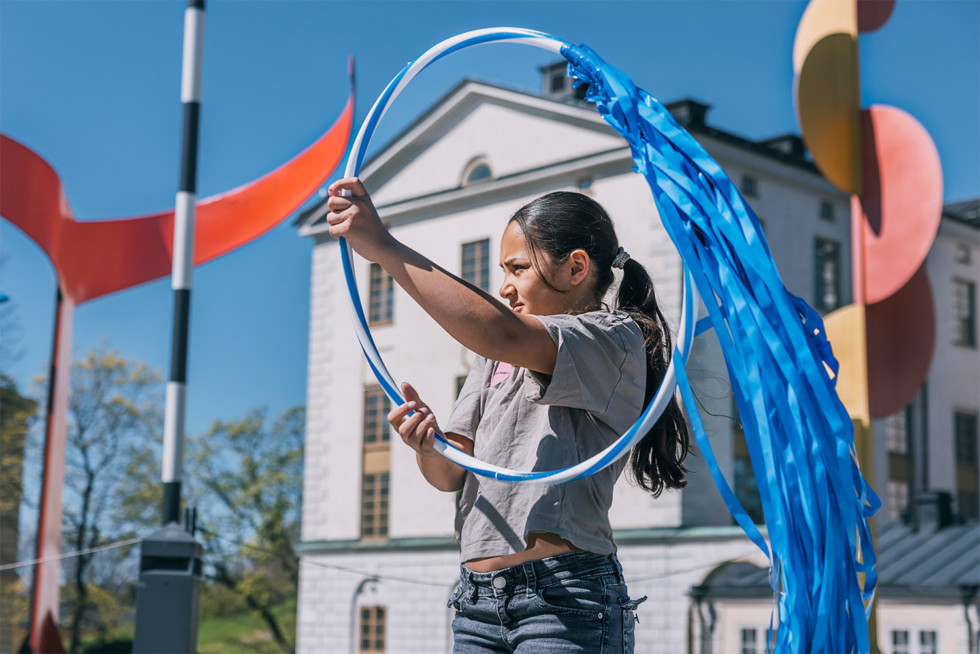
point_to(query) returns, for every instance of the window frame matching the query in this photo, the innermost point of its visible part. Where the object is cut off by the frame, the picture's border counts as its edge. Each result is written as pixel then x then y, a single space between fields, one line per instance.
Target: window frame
pixel 965 324
pixel 466 180
pixel 372 618
pixel 382 285
pixel 376 492
pixel 481 263
pixel 820 245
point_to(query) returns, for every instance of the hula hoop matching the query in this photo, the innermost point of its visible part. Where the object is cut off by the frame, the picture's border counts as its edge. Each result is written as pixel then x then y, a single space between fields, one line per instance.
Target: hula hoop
pixel 689 305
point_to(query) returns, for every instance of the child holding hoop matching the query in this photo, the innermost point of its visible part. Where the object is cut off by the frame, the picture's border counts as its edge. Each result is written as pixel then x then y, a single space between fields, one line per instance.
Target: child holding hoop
pixel 557 378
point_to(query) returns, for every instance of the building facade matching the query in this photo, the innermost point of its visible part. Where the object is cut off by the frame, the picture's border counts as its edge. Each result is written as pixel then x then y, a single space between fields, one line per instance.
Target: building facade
pixel 378 556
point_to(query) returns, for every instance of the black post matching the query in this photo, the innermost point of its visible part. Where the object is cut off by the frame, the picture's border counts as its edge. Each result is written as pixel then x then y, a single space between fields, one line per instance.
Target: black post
pixel 170 560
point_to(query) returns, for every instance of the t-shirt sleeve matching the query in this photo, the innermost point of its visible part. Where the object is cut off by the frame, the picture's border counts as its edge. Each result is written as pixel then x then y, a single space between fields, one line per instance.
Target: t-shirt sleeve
pixel 468 410
pixel 600 367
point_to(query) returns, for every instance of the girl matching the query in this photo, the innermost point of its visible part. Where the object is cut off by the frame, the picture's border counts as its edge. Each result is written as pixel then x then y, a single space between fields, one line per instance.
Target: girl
pixel 558 377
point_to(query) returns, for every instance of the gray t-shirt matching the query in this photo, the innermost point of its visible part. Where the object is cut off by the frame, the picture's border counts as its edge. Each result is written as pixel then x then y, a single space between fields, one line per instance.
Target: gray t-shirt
pixel 524 420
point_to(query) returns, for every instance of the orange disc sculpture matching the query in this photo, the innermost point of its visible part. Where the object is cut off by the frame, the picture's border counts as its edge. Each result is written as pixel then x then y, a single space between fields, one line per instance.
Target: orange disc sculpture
pixel 885 160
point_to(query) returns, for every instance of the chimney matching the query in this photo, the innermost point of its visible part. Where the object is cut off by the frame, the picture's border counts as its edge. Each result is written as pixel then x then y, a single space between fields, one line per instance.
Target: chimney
pixel 789 144
pixel 557 85
pixel 689 113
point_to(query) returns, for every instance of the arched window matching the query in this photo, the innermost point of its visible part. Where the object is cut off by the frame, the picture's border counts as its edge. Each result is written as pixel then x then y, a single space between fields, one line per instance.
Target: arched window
pixel 476 171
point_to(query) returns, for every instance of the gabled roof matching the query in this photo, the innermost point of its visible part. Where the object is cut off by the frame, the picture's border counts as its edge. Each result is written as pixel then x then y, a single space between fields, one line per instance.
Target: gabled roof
pixel 966 212
pixel 926 563
pixel 787 149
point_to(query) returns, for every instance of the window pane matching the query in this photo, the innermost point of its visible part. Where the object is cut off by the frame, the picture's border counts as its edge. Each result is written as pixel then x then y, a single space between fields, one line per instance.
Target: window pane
pixel 896 430
pixel 826 274
pixel 373 625
pixel 965 428
pixel 898 499
pixel 381 296
pixel 826 211
pixel 965 307
pixel 748 641
pixel 927 642
pixel 476 263
pixel 376 408
pixel 900 642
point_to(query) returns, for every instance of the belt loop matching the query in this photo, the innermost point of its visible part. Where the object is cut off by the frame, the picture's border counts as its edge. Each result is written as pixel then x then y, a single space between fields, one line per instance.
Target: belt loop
pixel 474 592
pixel 531 578
pixel 619 568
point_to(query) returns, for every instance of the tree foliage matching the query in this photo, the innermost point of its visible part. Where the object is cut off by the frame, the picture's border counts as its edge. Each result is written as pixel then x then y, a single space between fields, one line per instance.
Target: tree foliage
pixel 115 420
pixel 248 476
pixel 17 414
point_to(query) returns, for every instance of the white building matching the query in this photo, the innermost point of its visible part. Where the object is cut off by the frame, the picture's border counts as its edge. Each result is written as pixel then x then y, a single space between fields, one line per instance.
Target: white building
pixel 378 556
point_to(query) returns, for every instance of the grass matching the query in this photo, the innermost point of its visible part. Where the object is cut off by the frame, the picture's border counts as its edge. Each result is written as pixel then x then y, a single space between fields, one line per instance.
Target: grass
pixel 245 633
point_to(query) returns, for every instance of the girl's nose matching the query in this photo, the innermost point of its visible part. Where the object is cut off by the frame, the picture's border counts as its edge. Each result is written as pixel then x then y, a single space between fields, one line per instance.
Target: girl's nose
pixel 506 289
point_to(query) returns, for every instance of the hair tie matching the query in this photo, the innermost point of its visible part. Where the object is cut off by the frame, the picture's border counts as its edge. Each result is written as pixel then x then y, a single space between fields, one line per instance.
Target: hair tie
pixel 622 256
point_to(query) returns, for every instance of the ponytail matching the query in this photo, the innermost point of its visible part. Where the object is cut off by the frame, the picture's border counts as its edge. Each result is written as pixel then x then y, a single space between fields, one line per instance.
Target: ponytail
pixel 657 461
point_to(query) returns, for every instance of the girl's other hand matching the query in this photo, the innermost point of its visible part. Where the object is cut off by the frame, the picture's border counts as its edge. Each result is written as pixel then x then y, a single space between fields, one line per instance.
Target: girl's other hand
pixel 354 217
pixel 417 430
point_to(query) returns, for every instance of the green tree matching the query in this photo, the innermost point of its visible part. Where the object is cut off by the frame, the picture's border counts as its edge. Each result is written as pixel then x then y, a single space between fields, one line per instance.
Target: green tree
pixel 115 420
pixel 248 475
pixel 17 414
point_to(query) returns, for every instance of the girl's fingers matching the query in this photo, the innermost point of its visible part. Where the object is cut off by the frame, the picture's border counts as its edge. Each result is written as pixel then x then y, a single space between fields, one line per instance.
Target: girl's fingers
pixel 352 184
pixel 400 411
pixel 416 431
pixel 410 424
pixel 338 204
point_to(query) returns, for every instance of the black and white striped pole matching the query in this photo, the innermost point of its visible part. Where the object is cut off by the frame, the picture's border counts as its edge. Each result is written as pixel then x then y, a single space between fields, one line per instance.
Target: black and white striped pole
pixel 183 260
pixel 167 597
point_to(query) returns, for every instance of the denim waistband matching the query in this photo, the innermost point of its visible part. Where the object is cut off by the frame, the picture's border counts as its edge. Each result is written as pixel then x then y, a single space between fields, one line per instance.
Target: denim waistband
pixel 529 576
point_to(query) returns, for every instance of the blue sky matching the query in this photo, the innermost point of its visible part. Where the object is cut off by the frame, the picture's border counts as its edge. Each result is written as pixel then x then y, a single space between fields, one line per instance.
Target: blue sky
pixel 94 88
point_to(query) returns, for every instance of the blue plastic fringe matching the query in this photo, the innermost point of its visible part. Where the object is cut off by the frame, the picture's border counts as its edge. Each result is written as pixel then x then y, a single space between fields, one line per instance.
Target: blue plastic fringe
pixel 800 438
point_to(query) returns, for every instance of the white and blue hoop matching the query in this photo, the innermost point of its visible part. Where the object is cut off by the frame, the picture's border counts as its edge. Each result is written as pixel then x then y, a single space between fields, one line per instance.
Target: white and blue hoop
pixel 688 309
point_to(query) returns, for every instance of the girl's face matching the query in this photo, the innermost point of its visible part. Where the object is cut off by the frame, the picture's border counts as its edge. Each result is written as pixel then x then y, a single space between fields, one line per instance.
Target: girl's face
pixel 523 286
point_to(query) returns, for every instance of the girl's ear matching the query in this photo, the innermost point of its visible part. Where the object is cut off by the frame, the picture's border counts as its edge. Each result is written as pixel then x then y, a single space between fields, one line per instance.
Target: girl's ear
pixel 579 265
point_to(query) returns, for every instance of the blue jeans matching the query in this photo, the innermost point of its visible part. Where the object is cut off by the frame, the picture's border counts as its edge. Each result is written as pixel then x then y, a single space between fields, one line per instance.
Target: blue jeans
pixel 575 602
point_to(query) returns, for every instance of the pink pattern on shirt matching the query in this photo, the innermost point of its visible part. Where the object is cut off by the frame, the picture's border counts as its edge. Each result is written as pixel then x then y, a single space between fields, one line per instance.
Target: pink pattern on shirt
pixel 501 373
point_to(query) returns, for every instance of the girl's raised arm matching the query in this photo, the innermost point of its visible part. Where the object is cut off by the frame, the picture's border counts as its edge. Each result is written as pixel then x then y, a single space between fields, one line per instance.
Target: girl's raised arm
pixel 467 313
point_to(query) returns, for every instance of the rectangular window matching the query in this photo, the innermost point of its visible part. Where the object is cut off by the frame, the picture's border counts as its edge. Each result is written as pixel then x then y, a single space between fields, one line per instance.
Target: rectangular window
pixel 381 297
pixel 746 488
pixel 376 408
pixel 965 308
pixel 896 432
pixel 965 428
pixel 962 253
pixel 928 642
pixel 372 630
pixel 750 187
pixel 967 444
pixel 826 274
pixel 748 642
pixel 374 505
pixel 375 464
pixel 898 499
pixel 827 211
pixel 900 642
pixel 476 263
pixel 557 82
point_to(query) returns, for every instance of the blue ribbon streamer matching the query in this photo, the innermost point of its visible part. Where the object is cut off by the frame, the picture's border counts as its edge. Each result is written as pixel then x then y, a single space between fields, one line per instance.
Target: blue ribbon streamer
pixel 800 438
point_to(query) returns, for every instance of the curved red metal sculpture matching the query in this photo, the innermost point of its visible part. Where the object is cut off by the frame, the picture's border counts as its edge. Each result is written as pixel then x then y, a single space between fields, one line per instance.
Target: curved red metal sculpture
pixel 96 258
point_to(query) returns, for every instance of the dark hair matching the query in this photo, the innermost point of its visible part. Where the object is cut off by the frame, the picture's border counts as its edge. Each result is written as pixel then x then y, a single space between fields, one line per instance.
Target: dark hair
pixel 558 224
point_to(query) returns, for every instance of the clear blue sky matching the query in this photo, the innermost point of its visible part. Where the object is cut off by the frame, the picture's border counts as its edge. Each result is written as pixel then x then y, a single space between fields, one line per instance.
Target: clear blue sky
pixel 94 88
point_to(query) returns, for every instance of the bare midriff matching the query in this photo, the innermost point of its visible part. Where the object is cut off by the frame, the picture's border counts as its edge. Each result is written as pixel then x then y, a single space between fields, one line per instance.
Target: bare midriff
pixel 540 545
